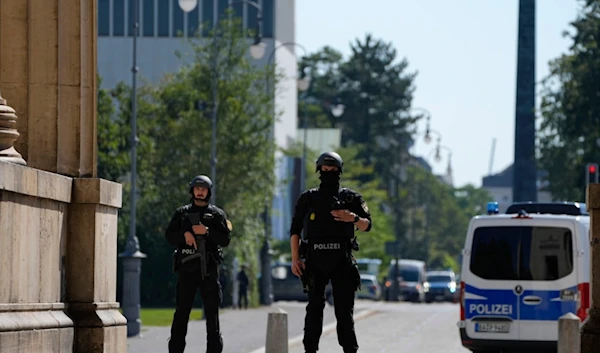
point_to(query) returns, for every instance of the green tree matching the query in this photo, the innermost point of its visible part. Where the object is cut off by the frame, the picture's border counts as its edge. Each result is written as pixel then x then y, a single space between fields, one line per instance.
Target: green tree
pixel 570 109
pixel 174 145
pixel 376 90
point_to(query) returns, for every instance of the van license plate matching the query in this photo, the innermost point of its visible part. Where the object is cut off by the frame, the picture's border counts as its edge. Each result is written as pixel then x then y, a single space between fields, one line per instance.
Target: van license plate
pixel 492 327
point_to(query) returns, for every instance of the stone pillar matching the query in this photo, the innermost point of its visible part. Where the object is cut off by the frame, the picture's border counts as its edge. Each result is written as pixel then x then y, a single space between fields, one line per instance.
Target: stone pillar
pixel 33 234
pixel 8 134
pixel 92 267
pixel 48 74
pixel 590 332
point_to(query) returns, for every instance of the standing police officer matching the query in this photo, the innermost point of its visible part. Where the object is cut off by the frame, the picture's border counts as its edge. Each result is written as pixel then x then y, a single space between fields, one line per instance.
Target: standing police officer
pixel 198 230
pixel 328 216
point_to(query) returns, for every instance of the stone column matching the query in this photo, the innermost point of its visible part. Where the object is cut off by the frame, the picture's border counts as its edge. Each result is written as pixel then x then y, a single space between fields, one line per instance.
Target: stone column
pixel 590 332
pixel 48 73
pixel 8 134
pixel 92 267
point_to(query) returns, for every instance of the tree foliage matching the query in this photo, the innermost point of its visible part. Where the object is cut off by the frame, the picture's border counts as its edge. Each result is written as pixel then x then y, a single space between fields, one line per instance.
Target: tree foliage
pixel 405 200
pixel 174 146
pixel 570 109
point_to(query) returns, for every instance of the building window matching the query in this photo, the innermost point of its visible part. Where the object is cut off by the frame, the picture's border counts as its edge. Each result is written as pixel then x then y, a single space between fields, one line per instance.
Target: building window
pixel 208 8
pixel 131 16
pixel 268 12
pixel 148 18
pixel 223 5
pixel 192 21
pixel 177 20
pixel 118 17
pixel 103 18
pixel 163 18
pixel 238 13
pixel 252 19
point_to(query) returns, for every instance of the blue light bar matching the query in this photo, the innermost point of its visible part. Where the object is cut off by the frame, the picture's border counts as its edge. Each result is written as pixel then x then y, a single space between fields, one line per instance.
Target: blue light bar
pixel 492 207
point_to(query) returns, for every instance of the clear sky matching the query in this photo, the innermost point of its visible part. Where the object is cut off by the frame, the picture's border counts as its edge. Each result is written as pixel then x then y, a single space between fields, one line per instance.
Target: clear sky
pixel 465 53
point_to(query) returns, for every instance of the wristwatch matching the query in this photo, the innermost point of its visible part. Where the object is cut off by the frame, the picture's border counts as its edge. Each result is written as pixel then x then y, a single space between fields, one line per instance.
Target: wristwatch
pixel 356 218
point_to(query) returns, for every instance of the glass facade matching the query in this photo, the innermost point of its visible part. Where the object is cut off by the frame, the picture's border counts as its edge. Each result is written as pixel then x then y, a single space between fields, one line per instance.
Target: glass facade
pixel 164 18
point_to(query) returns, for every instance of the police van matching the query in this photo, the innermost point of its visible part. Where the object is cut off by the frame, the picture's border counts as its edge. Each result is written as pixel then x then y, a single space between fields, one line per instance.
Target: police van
pixel 521 271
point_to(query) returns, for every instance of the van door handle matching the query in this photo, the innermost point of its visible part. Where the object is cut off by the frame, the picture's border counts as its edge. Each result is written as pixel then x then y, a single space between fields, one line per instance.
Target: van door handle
pixel 532 300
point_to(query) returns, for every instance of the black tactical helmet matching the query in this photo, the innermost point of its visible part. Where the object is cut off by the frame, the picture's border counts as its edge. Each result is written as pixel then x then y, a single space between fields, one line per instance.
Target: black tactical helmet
pixel 201 180
pixel 330 158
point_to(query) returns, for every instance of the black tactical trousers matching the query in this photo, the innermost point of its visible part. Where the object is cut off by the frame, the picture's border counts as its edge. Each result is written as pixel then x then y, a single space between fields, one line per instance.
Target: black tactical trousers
pixel 344 284
pixel 210 290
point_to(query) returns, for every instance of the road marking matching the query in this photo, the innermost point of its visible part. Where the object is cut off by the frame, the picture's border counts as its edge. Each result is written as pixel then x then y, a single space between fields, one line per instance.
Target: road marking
pixel 326 329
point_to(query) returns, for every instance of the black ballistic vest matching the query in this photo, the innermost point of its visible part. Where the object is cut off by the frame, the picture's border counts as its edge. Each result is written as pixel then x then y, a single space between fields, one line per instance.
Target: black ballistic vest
pixel 319 223
pixel 328 239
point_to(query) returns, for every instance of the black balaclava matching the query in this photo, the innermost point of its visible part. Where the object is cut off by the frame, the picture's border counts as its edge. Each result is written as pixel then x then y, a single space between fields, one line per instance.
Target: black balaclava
pixel 330 182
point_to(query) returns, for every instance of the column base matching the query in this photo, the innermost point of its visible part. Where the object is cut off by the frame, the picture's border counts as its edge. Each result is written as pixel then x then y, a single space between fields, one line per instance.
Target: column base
pixel 32 327
pixel 99 328
pixel 11 155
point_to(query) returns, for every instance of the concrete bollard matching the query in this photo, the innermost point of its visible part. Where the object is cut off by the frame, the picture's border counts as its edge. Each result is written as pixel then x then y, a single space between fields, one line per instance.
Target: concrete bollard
pixel 569 340
pixel 277 332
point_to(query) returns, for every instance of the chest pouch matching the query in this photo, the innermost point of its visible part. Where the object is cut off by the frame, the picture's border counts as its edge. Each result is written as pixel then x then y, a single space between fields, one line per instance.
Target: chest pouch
pixel 326 254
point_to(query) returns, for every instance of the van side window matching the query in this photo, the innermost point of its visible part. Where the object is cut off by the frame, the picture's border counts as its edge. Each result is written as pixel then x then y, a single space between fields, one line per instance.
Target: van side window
pixel 522 253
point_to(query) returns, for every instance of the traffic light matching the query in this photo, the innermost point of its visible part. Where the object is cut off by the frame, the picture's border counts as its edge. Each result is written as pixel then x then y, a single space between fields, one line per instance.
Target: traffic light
pixel 591 173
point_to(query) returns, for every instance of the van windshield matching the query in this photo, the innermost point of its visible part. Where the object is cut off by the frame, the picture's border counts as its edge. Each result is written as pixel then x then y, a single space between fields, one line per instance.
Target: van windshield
pixel 522 253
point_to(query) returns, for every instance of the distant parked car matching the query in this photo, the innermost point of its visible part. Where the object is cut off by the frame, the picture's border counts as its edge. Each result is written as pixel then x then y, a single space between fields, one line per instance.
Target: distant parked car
pixel 370 288
pixel 441 286
pixel 411 281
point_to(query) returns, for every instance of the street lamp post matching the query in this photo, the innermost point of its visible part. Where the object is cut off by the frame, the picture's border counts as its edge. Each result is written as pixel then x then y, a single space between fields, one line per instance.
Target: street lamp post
pixel 266 287
pixel 132 256
pixel 257 51
pixel 428 129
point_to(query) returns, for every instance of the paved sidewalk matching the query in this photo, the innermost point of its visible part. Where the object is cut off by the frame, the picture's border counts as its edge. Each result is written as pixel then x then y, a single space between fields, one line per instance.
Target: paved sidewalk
pixel 243 330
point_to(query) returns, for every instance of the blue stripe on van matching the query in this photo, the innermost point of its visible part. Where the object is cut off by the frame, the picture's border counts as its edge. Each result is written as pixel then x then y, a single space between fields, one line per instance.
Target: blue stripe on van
pixel 503 303
pixel 548 309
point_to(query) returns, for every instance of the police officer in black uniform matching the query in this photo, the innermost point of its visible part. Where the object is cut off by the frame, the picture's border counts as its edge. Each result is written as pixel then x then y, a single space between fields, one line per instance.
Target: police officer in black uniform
pixel 193 227
pixel 328 214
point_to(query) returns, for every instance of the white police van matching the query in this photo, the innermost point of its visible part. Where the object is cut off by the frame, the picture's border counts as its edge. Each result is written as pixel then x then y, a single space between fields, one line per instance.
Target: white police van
pixel 521 271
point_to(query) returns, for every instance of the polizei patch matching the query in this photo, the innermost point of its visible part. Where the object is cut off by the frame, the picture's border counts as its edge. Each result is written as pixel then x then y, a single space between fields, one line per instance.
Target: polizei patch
pixel 328 246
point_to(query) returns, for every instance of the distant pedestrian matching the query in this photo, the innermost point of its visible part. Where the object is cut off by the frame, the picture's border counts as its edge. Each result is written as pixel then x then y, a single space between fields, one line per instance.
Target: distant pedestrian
pixel 243 288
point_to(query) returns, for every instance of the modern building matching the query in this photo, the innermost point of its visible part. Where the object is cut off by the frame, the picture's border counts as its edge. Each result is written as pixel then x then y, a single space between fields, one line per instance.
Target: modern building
pixel 500 187
pixel 164 28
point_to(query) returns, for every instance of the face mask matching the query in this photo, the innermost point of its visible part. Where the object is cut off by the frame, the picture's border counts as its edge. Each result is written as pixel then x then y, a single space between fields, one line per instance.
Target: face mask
pixel 330 178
